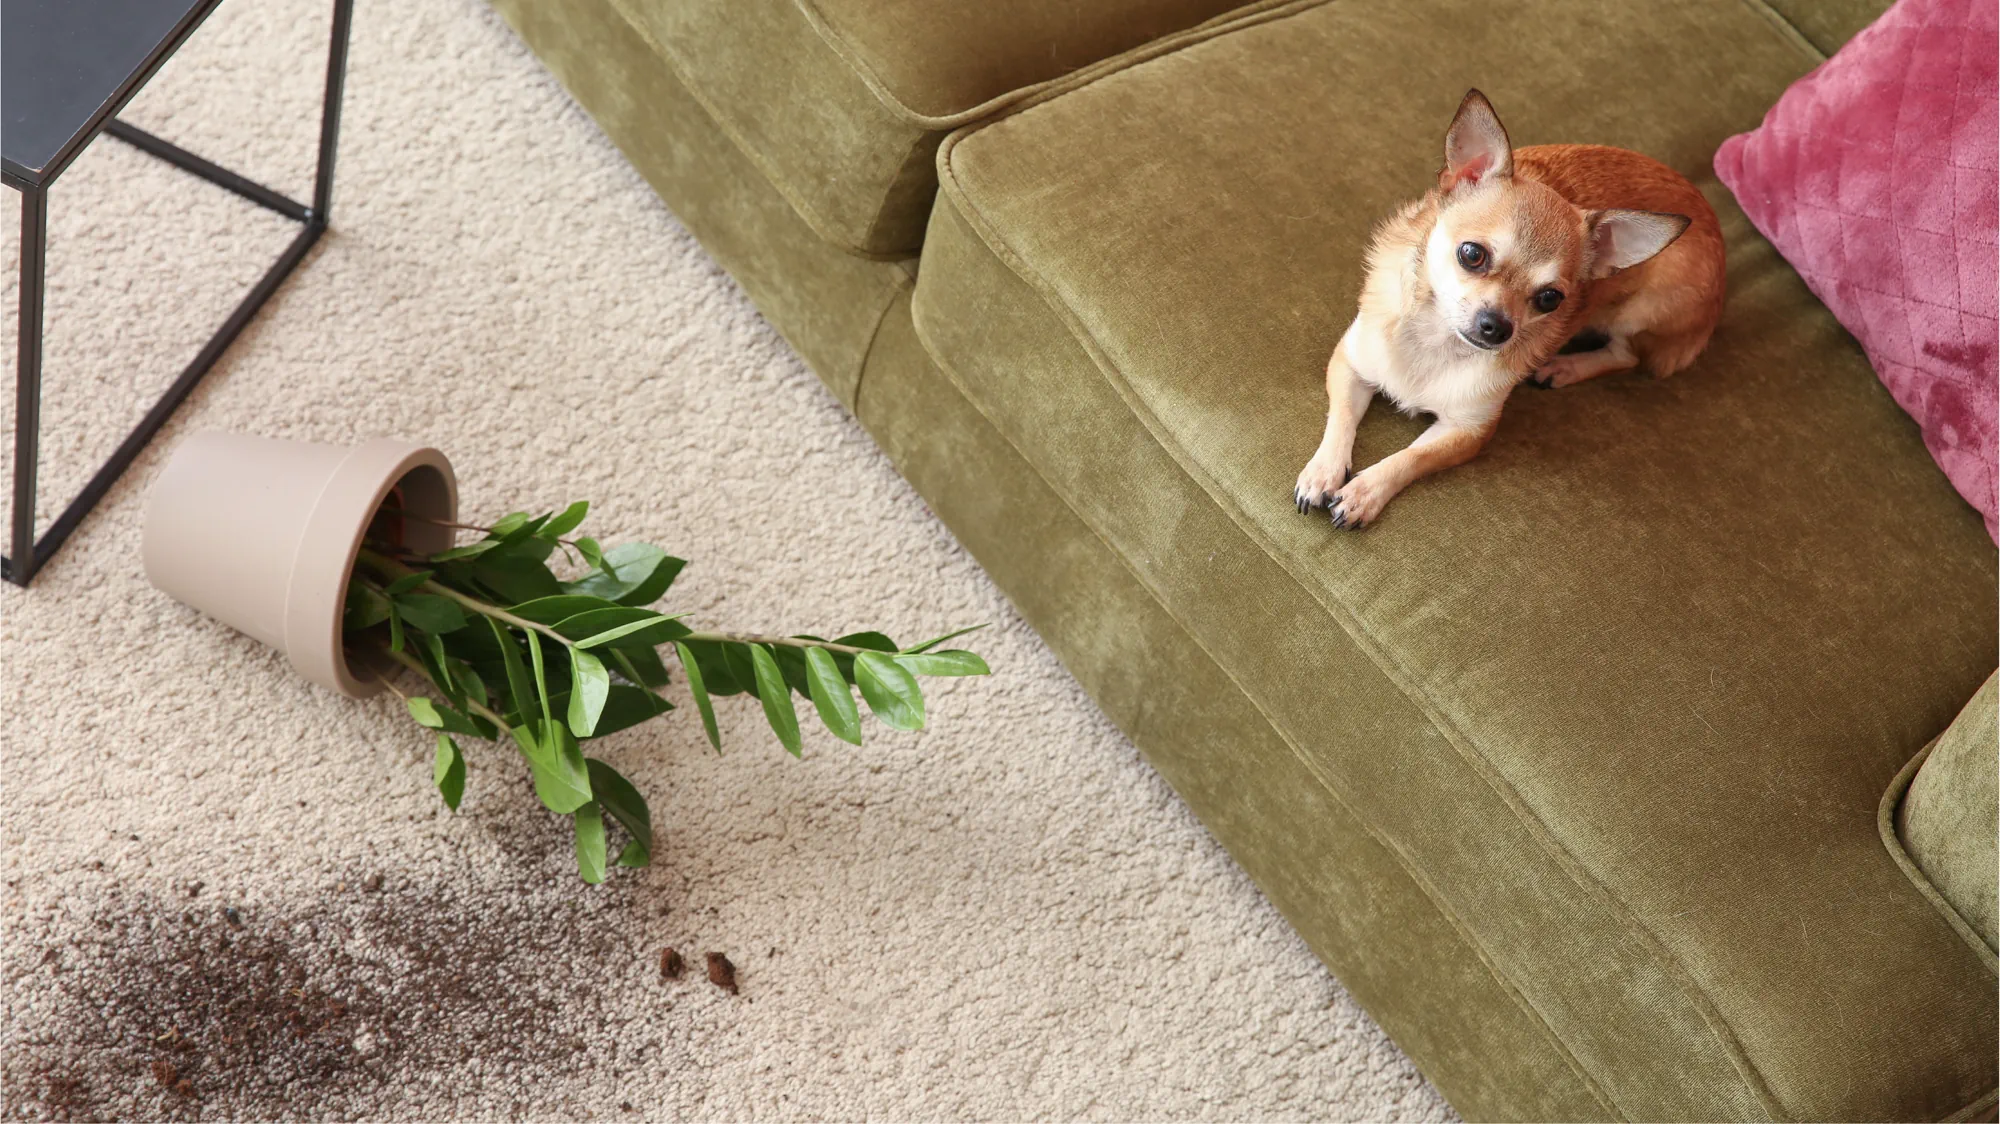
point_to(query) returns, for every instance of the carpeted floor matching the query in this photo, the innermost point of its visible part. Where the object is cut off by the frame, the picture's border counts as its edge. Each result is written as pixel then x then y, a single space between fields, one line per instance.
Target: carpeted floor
pixel 228 894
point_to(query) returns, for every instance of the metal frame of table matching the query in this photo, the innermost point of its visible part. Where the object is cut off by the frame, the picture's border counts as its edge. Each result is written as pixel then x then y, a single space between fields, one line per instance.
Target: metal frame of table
pixel 26 554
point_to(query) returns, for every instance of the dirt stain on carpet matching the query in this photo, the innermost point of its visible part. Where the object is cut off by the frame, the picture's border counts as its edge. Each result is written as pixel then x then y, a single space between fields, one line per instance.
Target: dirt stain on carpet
pixel 166 1009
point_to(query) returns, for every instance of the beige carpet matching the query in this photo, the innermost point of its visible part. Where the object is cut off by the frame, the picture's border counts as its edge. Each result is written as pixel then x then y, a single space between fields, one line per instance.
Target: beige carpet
pixel 228 894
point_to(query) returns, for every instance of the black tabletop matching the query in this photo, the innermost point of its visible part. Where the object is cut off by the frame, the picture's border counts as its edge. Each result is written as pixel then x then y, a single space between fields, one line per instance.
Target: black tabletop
pixel 67 65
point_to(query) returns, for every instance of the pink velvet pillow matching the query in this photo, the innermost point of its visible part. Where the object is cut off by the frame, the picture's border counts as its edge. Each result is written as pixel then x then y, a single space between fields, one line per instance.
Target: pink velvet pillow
pixel 1874 175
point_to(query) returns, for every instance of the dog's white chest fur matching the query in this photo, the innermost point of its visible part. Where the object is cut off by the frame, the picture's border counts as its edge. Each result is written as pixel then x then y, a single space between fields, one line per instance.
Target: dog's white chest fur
pixel 1415 362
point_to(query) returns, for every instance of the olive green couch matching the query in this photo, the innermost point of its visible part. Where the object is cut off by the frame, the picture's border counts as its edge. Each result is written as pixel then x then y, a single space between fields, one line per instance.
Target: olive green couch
pixel 1583 769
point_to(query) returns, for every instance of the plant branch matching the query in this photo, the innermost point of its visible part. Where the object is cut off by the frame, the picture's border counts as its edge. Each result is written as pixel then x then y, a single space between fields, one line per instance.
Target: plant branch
pixel 787 641
pixel 406 514
pixel 408 661
pixel 483 608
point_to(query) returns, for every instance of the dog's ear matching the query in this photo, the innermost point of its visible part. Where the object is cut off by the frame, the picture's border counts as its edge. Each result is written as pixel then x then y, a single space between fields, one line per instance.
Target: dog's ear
pixel 1475 147
pixel 1622 239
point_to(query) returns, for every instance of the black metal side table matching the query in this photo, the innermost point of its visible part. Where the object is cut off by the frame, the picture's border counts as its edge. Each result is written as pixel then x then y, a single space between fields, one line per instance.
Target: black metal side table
pixel 66 68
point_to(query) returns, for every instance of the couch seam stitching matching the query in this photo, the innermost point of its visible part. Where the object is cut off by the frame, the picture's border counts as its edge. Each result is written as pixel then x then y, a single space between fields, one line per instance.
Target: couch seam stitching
pixel 838 41
pixel 807 211
pixel 1885 824
pixel 903 283
pixel 1718 1027
pixel 1973 1108
pixel 1410 868
pixel 1788 30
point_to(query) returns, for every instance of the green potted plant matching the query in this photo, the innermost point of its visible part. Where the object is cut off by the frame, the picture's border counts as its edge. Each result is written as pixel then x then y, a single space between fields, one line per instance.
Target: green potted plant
pixel 531 637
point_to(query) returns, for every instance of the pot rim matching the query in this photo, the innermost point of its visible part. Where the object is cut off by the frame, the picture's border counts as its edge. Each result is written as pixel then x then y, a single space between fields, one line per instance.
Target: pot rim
pixel 317 588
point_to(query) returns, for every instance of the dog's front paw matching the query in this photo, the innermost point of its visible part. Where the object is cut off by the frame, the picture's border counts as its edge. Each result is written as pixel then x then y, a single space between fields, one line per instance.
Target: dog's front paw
pixel 1360 502
pixel 1321 478
pixel 1561 371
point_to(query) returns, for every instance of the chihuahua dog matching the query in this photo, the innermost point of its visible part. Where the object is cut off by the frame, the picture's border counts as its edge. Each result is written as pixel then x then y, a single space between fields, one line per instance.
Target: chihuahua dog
pixel 1551 265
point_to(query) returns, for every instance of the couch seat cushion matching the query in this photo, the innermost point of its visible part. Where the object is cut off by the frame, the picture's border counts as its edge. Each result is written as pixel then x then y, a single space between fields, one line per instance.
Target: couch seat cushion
pixel 1624 692
pixel 842 102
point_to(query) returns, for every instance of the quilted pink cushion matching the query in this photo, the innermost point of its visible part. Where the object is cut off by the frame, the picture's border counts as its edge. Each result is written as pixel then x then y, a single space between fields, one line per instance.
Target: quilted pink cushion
pixel 1874 175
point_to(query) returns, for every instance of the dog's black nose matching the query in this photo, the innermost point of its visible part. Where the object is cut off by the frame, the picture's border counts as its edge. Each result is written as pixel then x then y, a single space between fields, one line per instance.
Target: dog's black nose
pixel 1493 327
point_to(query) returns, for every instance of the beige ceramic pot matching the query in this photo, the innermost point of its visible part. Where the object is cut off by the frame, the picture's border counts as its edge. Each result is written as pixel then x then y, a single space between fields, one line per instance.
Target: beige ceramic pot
pixel 261 534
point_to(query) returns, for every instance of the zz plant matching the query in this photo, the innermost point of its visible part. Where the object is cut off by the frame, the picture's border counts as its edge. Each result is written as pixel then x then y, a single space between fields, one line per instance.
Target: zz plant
pixel 512 653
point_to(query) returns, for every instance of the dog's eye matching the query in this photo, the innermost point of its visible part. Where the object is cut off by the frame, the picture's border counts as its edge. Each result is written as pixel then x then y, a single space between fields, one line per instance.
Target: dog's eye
pixel 1548 299
pixel 1472 255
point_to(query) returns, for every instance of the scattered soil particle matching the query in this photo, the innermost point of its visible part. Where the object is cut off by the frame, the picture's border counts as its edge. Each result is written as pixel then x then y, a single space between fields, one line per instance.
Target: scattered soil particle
pixel 671 964
pixel 66 1097
pixel 373 885
pixel 626 1106
pixel 194 888
pixel 721 972
pixel 231 915
pixel 170 1078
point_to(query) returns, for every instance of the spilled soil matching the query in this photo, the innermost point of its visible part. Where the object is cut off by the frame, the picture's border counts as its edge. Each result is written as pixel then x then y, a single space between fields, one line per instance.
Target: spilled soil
pixel 190 1009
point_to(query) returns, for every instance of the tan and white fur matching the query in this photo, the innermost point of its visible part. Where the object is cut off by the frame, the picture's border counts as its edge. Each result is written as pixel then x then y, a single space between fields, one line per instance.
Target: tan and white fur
pixel 1550 265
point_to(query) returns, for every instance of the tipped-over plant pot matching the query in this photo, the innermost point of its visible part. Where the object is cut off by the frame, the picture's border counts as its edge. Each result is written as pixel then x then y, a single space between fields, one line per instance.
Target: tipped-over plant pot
pixel 262 534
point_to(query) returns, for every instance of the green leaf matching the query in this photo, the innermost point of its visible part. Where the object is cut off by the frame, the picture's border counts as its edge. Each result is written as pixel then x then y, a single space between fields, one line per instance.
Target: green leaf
pixel 741 669
pixel 407 582
pixel 625 707
pixel 952 661
pixel 617 796
pixel 832 697
pixel 715 673
pixel 929 644
pixel 448 771
pixel 365 608
pixel 514 577
pixel 469 550
pixel 430 612
pixel 549 610
pixel 792 665
pixel 891 691
pixel 628 628
pixel 641 666
pixel 508 524
pixel 590 685
pixel 593 556
pixel 634 855
pixel 432 655
pixel 541 674
pixel 691 667
pixel 468 680
pixel 395 632
pixel 436 716
pixel 561 779
pixel 777 698
pixel 425 712
pixel 871 640
pixel 564 522
pixel 874 640
pixel 590 843
pixel 518 688
pixel 636 573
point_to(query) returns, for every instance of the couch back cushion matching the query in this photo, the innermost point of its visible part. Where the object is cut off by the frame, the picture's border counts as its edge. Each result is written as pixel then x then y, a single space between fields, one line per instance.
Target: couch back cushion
pixel 1874 176
pixel 841 103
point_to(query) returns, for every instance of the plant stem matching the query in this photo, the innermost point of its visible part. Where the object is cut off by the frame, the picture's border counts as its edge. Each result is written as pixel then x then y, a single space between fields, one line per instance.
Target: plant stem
pixel 787 641
pixel 396 569
pixel 406 514
pixel 391 566
pixel 406 660
pixel 452 525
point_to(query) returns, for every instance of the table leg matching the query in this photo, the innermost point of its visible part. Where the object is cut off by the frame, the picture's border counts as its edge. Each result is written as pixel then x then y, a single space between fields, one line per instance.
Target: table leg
pixel 329 121
pixel 28 382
